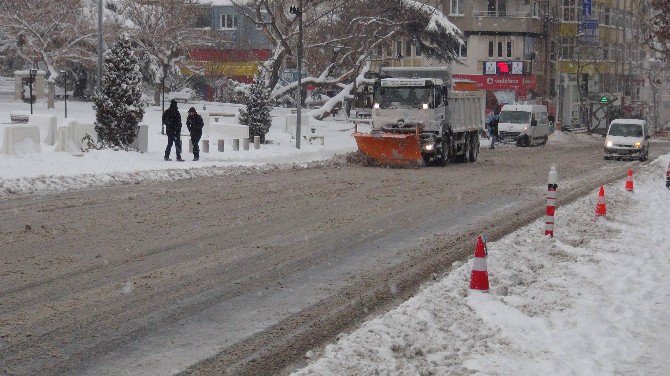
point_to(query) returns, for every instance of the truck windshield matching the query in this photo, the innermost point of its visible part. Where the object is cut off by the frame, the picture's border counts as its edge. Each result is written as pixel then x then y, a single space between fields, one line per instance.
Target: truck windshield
pixel 515 117
pixel 625 130
pixel 404 97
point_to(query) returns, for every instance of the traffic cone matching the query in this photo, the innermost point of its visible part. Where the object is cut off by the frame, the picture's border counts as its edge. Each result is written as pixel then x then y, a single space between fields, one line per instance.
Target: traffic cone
pixel 601 208
pixel 479 278
pixel 629 181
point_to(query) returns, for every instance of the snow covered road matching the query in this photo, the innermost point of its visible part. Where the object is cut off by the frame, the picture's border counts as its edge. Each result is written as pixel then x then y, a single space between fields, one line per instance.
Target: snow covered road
pixel 248 272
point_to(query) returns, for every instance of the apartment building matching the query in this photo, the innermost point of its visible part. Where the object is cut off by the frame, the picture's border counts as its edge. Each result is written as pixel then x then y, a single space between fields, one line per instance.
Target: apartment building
pixel 507 50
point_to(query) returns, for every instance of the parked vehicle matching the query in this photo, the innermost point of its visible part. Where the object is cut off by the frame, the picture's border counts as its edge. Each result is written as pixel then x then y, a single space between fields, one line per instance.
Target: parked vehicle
pixel 524 124
pixel 419 119
pixel 627 139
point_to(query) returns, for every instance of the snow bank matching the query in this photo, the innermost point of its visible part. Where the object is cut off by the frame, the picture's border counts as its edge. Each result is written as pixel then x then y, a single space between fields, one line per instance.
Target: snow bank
pixel 592 301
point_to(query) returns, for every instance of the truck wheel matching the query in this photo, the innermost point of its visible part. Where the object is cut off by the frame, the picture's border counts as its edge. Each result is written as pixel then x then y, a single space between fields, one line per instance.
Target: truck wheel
pixel 544 141
pixel 474 147
pixel 523 141
pixel 465 157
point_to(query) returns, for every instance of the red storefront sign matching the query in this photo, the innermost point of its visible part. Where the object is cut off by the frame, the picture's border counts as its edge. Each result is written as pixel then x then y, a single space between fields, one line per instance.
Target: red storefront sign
pixel 518 84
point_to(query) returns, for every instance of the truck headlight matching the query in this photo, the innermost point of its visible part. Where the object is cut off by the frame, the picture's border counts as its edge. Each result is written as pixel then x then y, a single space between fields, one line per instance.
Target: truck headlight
pixel 425 106
pixel 609 144
pixel 429 147
pixel 637 145
pixel 376 106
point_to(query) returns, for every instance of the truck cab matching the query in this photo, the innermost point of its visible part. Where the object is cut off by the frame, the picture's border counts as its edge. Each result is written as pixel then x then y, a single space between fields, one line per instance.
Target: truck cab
pixel 524 124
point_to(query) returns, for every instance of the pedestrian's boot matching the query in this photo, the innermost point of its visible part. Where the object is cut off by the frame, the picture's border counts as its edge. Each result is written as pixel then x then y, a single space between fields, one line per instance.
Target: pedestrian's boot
pixel 196 158
pixel 167 159
pixel 180 160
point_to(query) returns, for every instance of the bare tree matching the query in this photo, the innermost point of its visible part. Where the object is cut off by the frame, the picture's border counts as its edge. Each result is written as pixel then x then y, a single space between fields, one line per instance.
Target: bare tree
pixel 165 31
pixel 49 33
pixel 341 37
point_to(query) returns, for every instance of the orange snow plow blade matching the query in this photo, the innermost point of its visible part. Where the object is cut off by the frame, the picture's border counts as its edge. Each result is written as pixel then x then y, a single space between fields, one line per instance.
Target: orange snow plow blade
pixel 390 148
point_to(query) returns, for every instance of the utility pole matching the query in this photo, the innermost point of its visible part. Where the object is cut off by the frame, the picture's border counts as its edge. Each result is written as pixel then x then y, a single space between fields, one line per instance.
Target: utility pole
pixel 99 78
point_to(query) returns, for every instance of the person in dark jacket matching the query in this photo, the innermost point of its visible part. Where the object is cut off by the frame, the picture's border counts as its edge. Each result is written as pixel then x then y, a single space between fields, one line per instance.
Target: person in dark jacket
pixel 493 130
pixel 172 122
pixel 195 124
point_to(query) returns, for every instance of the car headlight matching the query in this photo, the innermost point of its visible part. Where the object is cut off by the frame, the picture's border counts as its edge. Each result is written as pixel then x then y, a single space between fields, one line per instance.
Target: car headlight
pixel 609 144
pixel 525 129
pixel 376 106
pixel 637 145
pixel 425 106
pixel 429 147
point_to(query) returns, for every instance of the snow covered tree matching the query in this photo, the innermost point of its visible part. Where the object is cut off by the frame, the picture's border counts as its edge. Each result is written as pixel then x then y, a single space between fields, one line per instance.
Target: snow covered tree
pixel 119 107
pixel 165 32
pixel 48 33
pixel 257 113
pixel 659 34
pixel 341 38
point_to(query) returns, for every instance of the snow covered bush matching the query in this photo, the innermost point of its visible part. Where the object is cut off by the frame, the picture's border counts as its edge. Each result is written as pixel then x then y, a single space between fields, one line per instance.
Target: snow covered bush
pixel 257 113
pixel 119 107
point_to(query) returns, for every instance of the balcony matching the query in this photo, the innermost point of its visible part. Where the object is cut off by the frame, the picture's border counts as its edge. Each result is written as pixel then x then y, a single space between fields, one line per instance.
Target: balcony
pixel 517 22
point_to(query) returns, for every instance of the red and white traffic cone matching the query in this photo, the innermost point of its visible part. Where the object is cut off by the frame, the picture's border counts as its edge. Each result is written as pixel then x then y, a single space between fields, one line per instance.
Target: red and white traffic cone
pixel 479 278
pixel 551 202
pixel 629 181
pixel 601 208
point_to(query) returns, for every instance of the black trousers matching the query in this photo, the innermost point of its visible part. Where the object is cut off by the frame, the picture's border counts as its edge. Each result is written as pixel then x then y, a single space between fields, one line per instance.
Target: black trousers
pixel 176 139
pixel 195 141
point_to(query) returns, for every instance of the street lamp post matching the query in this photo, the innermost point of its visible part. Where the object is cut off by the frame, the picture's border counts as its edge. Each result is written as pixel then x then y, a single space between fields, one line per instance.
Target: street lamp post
pixel 163 102
pixel 297 10
pixel 65 89
pixel 31 74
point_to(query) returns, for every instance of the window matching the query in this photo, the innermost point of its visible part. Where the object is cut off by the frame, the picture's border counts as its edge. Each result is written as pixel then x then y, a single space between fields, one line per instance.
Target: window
pixel 417 49
pixel 500 49
pixel 456 8
pixel 463 49
pixel 497 8
pixel 509 49
pixel 567 46
pixel 398 49
pixel 571 10
pixel 229 21
pixel 408 49
pixel 491 43
pixel 536 9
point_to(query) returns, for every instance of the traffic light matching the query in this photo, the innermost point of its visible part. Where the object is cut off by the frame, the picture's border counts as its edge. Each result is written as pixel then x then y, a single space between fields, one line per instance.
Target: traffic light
pixel 604 99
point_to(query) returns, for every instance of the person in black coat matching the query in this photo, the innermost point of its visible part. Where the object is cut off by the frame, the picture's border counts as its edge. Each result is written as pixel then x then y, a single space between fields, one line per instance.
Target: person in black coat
pixel 195 124
pixel 172 122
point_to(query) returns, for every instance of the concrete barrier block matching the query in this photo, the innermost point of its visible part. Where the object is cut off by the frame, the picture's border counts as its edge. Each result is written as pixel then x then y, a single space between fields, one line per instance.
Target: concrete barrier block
pixel 245 143
pixel 21 140
pixel 236 144
pixel 221 145
pixel 48 125
pixel 205 146
pixel 257 142
pixel 141 142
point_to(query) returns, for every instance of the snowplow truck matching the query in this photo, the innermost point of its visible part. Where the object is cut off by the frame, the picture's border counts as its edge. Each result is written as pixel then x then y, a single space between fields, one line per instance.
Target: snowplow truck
pixel 417 120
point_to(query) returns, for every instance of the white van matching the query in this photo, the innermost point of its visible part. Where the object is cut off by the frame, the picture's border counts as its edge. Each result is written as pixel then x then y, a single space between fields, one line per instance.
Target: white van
pixel 627 139
pixel 525 124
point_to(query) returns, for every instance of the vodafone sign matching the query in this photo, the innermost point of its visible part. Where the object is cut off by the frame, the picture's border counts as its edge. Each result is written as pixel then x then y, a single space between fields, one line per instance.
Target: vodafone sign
pixel 519 84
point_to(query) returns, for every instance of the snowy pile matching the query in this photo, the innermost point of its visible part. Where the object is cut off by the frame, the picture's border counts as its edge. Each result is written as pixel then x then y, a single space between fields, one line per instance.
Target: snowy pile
pixel 592 301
